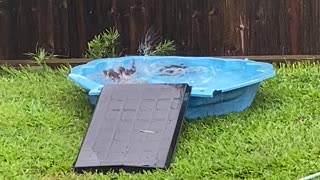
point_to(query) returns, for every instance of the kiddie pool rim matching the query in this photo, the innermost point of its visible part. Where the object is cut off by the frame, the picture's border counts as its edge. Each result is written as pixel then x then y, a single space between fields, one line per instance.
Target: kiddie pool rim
pixel 95 88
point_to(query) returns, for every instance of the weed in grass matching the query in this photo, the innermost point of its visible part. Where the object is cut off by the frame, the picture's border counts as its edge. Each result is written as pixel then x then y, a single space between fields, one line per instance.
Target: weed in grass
pixel 41 56
pixel 43 118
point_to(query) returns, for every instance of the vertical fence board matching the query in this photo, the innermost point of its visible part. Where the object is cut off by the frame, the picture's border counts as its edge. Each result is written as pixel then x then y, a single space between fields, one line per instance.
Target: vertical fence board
pixel 179 25
pixel 243 27
pixel 313 22
pixel 45 24
pixel 138 25
pixel 26 27
pixel 77 28
pixel 6 20
pixel 123 25
pixel 283 27
pixel 215 28
pixel 231 37
pixel 304 30
pixel 61 28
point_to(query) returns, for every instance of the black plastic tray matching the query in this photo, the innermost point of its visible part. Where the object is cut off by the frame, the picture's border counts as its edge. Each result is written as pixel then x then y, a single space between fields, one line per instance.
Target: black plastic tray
pixel 135 127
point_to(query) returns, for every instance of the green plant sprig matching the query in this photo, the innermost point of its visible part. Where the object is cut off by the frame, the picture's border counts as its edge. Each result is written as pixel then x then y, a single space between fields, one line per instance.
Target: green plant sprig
pixel 41 56
pixel 104 45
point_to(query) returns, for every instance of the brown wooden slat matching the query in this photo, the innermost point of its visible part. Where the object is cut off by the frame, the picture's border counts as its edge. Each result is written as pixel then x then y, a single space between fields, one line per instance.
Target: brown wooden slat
pixel 215 33
pixel 138 25
pixel 46 24
pixel 279 58
pixel 77 28
pixel 178 21
pixel 61 29
pixel 73 62
pixel 5 29
pixel 314 26
pixel 284 23
pixel 26 27
pixel 123 23
pixel 51 63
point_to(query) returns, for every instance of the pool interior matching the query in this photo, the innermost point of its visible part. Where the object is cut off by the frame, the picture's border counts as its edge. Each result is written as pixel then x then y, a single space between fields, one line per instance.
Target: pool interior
pixel 203 74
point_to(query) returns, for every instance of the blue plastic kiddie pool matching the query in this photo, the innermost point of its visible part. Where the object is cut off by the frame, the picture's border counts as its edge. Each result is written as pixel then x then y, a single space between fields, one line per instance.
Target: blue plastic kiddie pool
pixel 219 86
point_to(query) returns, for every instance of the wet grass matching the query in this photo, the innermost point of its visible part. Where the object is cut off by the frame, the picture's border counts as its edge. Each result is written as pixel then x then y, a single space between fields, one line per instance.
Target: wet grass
pixel 43 118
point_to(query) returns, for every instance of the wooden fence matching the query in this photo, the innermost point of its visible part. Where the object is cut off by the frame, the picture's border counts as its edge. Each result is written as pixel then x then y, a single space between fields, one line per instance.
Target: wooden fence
pixel 199 27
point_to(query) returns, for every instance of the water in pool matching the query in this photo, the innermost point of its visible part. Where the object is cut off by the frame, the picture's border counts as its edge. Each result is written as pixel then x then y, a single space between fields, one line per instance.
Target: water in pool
pixel 197 75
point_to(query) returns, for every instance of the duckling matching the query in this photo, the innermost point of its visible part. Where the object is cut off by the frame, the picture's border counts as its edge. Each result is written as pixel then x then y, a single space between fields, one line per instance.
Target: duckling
pixel 112 74
pixel 126 73
pixel 173 69
pixel 121 70
pixel 132 70
pixel 122 74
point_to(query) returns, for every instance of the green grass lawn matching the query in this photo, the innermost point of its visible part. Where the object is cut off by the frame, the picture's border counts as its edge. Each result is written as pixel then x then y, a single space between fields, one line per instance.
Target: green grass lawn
pixel 43 118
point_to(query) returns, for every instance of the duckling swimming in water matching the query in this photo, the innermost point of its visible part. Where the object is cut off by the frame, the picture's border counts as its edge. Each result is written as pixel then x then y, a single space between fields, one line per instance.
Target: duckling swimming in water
pixel 131 71
pixel 173 70
pixel 122 74
pixel 112 74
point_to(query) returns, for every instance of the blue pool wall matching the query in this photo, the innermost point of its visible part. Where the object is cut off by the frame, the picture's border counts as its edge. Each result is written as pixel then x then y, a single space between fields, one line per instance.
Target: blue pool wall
pixel 224 103
pixel 233 101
